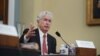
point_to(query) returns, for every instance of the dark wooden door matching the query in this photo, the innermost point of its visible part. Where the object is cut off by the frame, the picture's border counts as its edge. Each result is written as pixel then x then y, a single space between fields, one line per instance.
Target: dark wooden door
pixel 4 11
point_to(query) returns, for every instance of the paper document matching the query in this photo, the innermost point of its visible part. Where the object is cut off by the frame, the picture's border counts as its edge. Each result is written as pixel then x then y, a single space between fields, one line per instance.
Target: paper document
pixel 8 30
pixel 85 44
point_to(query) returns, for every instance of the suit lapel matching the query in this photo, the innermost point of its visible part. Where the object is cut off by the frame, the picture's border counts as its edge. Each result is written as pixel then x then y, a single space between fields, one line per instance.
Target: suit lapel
pixel 48 42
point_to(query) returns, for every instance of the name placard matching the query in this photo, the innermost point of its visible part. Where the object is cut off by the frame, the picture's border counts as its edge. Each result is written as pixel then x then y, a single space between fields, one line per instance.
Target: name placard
pixel 85 44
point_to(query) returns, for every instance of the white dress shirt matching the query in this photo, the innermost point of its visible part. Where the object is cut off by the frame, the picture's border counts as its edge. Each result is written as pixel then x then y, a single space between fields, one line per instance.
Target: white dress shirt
pixel 41 39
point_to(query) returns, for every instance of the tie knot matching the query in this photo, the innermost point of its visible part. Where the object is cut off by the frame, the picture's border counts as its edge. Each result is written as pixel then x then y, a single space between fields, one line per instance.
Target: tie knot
pixel 44 36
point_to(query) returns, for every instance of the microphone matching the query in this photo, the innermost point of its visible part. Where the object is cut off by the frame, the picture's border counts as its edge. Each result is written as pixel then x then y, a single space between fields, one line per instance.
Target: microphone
pixel 67 45
pixel 59 35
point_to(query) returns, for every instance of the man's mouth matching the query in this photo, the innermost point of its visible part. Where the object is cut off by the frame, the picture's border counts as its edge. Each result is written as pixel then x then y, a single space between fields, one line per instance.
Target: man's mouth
pixel 46 26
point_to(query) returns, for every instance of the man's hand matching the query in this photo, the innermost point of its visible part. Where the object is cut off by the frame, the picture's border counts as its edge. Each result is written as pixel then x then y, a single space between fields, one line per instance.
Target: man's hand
pixel 30 32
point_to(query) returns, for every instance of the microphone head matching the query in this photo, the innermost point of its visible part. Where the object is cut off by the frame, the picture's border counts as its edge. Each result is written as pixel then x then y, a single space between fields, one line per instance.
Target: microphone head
pixel 58 34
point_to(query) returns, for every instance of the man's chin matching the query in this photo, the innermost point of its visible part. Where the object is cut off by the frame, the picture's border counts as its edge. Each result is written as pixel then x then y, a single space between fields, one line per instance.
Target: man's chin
pixel 46 30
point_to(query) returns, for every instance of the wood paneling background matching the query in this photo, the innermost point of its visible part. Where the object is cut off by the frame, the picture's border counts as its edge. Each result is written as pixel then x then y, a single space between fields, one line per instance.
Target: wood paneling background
pixel 4 11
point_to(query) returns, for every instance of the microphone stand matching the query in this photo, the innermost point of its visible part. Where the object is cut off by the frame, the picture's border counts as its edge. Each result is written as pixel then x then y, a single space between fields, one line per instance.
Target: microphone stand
pixel 70 51
pixel 68 46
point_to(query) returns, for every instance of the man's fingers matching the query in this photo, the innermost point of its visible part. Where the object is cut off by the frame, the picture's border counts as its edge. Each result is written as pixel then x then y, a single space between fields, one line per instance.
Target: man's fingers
pixel 32 33
pixel 31 27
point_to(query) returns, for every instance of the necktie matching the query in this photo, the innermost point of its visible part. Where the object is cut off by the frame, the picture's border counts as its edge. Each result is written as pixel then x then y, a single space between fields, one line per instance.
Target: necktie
pixel 45 51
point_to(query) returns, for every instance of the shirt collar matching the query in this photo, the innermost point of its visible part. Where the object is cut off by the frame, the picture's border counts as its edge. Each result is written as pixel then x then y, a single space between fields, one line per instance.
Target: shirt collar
pixel 41 33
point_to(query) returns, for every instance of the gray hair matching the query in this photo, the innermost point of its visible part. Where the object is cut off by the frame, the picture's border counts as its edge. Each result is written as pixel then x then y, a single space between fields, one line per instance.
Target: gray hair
pixel 44 13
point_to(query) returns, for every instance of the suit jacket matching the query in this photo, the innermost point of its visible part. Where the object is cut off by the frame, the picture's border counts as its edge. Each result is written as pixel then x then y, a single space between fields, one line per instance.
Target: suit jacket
pixel 51 41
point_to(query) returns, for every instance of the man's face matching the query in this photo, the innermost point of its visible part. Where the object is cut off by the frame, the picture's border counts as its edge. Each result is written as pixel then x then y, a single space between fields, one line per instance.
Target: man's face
pixel 44 23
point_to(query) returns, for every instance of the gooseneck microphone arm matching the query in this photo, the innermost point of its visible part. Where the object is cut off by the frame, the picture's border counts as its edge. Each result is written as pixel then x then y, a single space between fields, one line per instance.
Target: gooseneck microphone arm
pixel 58 34
pixel 68 46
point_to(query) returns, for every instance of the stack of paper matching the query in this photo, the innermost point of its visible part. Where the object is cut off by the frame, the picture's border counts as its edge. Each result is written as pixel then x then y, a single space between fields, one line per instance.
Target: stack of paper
pixel 8 30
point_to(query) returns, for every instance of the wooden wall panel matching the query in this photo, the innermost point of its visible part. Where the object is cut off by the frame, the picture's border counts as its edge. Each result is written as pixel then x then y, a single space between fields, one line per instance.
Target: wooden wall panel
pixel 4 11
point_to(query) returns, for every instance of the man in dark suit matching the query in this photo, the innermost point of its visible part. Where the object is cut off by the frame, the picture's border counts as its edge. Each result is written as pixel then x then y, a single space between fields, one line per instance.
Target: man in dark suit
pixel 30 34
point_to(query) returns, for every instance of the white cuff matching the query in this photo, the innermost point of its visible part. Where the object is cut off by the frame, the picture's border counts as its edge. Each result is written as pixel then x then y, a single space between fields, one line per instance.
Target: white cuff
pixel 25 39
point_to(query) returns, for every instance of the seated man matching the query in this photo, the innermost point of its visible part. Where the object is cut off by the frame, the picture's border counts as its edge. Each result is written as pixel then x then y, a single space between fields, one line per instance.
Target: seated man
pixel 46 42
